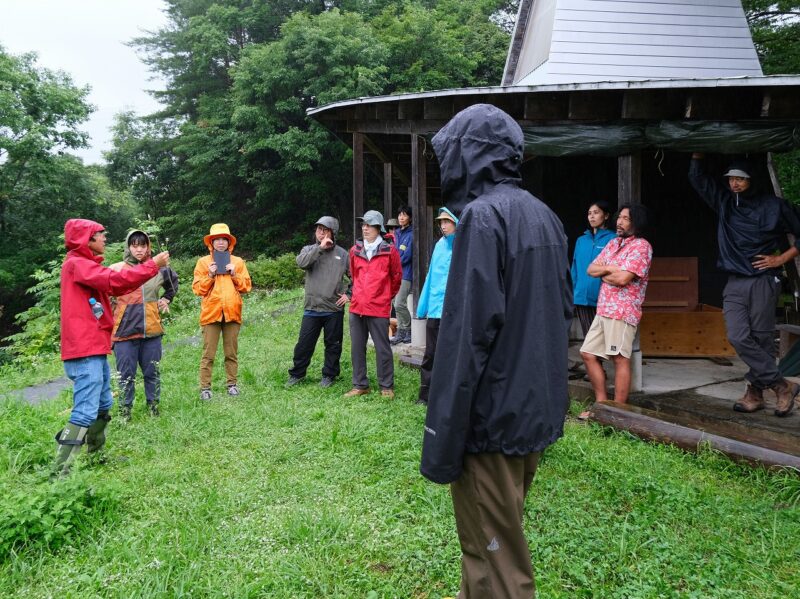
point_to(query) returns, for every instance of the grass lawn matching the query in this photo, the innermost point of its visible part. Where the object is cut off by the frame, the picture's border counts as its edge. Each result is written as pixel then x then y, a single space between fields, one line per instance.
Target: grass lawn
pixel 303 493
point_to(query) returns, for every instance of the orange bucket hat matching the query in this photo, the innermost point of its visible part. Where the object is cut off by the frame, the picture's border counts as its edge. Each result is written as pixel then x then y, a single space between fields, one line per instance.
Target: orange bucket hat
pixel 219 230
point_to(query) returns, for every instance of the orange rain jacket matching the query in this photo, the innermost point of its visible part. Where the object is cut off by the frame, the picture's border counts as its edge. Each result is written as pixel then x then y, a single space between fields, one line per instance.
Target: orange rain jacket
pixel 221 294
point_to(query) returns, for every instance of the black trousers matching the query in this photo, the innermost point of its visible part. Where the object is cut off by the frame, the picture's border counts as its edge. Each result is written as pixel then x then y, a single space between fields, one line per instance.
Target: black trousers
pixel 307 342
pixel 426 369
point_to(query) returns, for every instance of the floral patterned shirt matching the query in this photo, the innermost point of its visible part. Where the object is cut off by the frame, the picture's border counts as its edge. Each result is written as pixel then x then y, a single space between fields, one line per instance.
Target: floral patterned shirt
pixel 632 254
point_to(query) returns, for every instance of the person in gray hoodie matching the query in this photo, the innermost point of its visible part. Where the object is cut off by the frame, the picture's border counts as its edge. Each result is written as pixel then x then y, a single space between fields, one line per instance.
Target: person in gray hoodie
pixel 326 293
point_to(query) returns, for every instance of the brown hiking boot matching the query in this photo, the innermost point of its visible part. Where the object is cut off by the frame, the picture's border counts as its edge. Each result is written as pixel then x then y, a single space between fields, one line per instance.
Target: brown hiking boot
pixel 785 392
pixel 355 392
pixel 387 393
pixel 753 400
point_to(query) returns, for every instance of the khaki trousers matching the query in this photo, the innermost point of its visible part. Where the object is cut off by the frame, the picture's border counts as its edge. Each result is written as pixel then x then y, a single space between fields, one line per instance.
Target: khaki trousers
pixel 488 503
pixel 230 347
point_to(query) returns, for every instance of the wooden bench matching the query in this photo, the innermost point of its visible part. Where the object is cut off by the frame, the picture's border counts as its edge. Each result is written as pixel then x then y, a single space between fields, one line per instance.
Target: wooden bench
pixel 789 334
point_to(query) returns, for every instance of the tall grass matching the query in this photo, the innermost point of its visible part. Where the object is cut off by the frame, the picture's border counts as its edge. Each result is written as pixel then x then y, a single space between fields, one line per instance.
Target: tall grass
pixel 304 493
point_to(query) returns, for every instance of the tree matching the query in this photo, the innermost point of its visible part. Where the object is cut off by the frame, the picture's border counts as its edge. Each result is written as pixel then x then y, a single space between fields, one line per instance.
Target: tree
pixel 40 112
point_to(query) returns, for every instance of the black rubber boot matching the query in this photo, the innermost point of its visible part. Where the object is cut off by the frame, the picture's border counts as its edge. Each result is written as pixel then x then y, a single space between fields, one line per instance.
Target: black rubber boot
pixel 70 440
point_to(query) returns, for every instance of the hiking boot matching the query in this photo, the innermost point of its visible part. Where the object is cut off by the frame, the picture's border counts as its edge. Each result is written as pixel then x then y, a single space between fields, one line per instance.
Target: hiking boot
pixel 401 337
pixel 355 392
pixel 205 394
pixel 70 439
pixel 125 413
pixel 153 407
pixel 233 390
pixel 785 392
pixel 387 393
pixel 293 380
pixel 752 401
pixel 326 382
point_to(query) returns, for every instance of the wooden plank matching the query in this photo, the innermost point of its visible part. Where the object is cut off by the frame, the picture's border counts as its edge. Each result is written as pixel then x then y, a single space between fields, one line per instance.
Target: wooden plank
pixel 437 109
pixel 652 104
pixel 684 334
pixel 645 424
pixel 595 105
pixel 673 283
pixel 358 182
pixel 374 148
pixel 546 107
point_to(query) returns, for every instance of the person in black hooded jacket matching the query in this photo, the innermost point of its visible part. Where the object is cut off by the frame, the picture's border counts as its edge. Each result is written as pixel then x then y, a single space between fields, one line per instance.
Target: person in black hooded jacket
pixel 750 231
pixel 498 394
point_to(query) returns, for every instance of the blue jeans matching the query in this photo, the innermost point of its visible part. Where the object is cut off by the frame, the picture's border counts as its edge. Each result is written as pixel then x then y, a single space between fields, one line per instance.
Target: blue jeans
pixel 91 390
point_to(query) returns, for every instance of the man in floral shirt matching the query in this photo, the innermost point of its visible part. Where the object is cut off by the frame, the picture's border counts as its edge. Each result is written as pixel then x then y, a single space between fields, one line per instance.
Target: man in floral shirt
pixel 623 266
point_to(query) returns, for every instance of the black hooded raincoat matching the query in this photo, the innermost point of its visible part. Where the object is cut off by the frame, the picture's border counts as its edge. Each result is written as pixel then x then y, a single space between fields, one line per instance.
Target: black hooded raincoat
pixel 500 377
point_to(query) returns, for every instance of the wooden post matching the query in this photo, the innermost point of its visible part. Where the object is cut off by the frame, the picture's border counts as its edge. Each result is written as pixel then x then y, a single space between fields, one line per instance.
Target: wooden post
pixel 629 191
pixel 629 179
pixel 387 191
pixel 418 204
pixel 358 182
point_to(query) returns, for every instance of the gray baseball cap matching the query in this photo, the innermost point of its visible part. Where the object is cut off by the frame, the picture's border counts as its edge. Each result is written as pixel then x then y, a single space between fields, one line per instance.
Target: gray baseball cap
pixel 374 218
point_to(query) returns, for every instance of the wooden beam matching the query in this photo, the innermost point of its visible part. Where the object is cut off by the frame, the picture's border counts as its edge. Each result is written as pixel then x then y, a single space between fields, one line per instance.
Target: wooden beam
pixel 629 179
pixel 438 109
pixel 358 181
pixel 724 104
pixel 399 127
pixel 645 424
pixel 375 149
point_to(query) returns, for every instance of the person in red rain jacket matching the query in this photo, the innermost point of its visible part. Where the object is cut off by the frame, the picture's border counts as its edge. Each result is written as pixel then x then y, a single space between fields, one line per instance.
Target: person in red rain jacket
pixel 376 275
pixel 86 332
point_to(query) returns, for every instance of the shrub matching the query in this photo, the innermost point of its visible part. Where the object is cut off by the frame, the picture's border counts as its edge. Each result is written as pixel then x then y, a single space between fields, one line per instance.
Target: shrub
pixel 50 514
pixel 275 273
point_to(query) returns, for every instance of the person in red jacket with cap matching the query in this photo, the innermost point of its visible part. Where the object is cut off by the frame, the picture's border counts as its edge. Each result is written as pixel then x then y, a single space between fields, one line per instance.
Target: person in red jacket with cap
pixel 86 324
pixel 376 273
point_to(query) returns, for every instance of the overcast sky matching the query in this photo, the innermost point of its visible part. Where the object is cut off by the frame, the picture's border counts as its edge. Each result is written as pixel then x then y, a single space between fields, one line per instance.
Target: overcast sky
pixel 86 39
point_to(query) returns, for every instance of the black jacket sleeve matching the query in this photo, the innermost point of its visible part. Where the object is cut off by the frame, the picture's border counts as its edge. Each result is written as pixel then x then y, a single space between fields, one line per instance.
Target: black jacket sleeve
pixel 170 283
pixel 710 191
pixel 473 313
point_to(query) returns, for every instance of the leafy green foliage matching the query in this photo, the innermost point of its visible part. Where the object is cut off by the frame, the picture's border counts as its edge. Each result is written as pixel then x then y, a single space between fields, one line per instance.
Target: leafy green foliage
pixel 278 273
pixel 776 33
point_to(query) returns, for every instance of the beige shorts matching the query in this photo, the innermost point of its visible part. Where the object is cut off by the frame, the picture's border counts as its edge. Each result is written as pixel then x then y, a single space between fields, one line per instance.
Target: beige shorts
pixel 608 337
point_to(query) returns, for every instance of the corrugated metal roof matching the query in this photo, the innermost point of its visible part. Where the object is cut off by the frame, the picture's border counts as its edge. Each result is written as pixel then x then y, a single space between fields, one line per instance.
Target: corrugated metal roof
pixel 629 40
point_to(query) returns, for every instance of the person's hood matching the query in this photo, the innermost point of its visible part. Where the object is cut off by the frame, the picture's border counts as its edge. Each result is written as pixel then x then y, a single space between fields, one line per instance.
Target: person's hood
pixel 444 209
pixel 77 232
pixel 329 222
pixel 479 148
pixel 127 256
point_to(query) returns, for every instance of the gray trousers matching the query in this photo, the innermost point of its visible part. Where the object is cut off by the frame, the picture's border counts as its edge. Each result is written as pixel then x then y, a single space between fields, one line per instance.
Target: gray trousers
pixel 378 329
pixel 401 306
pixel 748 304
pixel 488 502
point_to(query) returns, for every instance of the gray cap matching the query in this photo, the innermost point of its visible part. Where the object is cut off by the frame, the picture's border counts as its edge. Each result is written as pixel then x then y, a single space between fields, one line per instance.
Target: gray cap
pixel 392 222
pixel 736 172
pixel 374 218
pixel 329 222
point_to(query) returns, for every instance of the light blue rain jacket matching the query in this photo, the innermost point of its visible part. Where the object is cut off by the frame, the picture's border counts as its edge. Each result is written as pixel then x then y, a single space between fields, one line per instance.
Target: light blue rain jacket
pixel 432 295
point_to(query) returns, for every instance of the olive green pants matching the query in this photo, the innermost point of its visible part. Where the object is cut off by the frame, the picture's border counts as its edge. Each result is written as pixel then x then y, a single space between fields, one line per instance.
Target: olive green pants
pixel 488 503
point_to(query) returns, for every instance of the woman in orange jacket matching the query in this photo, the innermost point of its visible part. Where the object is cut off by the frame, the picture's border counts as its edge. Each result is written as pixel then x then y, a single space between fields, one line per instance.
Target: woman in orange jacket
pixel 220 284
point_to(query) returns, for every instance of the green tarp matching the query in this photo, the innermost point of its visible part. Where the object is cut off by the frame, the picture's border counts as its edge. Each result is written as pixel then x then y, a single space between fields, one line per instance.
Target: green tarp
pixel 616 139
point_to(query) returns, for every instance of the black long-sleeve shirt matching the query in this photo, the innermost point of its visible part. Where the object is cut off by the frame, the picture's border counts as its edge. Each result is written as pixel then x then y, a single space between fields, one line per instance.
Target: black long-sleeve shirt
pixel 750 224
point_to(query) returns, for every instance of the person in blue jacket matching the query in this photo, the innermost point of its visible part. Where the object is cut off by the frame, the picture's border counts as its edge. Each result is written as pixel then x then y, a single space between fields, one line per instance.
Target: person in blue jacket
pixel 431 298
pixel 587 248
pixel 403 239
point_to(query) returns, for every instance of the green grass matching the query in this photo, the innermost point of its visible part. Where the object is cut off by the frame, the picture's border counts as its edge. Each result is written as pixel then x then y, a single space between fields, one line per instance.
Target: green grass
pixel 303 493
